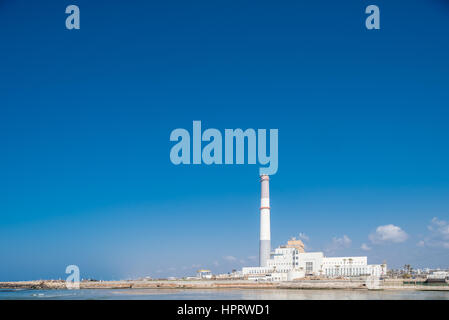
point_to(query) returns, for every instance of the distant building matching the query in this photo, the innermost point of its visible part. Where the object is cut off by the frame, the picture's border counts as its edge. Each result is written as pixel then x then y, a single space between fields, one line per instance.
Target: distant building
pixel 438 275
pixel 291 262
pixel 204 274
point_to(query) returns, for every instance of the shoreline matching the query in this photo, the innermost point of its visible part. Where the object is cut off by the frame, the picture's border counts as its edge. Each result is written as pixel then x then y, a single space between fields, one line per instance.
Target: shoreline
pixel 393 284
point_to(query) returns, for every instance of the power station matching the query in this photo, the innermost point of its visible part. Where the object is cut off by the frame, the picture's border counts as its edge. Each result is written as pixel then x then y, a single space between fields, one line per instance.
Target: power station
pixel 289 262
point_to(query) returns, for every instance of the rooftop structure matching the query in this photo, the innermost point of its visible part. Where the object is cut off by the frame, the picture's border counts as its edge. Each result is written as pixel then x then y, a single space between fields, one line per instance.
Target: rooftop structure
pixel 297 244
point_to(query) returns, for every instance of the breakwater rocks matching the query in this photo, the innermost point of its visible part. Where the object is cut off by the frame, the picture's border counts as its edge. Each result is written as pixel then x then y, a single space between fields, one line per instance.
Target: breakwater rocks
pixel 184 284
pixel 217 284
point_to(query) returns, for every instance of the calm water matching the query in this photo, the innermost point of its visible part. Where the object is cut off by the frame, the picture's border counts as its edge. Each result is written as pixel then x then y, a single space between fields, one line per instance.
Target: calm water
pixel 225 294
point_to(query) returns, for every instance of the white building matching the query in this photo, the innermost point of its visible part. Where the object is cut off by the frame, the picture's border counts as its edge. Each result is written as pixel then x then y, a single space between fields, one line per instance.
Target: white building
pixel 204 274
pixel 289 263
pixel 438 275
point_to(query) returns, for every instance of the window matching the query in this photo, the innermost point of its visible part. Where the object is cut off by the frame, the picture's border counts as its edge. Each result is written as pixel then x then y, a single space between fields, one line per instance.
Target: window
pixel 309 267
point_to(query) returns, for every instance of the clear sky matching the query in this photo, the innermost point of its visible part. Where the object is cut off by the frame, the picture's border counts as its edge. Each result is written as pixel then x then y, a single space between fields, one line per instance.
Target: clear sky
pixel 86 115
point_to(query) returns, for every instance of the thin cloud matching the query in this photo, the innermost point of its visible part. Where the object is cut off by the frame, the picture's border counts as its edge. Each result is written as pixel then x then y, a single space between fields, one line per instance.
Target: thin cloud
pixel 365 247
pixel 338 244
pixel 438 234
pixel 230 258
pixel 303 236
pixel 439 228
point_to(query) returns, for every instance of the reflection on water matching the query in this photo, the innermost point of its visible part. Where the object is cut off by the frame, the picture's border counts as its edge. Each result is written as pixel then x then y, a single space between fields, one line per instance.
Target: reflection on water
pixel 225 294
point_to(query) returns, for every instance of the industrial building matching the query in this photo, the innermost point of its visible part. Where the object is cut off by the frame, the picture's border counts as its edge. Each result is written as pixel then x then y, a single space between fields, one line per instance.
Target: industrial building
pixel 291 262
pixel 288 263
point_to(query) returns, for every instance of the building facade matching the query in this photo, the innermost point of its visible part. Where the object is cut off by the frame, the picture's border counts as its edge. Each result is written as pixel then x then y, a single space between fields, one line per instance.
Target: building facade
pixel 289 263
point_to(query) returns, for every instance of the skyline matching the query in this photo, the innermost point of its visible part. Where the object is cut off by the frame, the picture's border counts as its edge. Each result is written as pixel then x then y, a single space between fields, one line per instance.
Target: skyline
pixel 86 117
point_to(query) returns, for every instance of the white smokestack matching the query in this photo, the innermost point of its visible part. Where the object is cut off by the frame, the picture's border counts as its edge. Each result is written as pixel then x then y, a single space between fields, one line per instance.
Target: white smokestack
pixel 265 238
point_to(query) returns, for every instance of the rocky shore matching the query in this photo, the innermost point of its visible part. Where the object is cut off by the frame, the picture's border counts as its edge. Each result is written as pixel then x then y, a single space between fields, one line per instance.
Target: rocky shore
pixel 216 284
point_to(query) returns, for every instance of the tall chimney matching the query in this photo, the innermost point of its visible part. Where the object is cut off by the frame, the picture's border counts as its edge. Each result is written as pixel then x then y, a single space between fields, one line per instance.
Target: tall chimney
pixel 265 238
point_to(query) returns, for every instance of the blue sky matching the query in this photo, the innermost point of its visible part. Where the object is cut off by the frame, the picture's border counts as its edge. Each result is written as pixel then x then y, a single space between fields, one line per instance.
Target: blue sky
pixel 86 115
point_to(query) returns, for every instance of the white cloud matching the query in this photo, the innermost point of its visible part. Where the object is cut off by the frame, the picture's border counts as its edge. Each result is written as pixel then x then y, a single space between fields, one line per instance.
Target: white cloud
pixel 388 233
pixel 252 257
pixel 365 247
pixel 303 236
pixel 216 264
pixel 439 234
pixel 339 243
pixel 230 258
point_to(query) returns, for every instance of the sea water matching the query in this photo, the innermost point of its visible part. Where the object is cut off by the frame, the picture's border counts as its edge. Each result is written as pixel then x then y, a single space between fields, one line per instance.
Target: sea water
pixel 221 294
